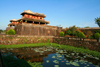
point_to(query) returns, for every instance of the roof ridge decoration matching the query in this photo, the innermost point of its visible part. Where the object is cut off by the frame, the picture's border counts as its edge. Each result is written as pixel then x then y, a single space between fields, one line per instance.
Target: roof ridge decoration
pixel 33 13
pixel 13 20
pixel 28 11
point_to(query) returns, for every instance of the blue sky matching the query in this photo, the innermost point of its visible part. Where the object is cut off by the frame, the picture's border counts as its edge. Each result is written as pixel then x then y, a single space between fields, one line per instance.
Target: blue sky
pixel 58 12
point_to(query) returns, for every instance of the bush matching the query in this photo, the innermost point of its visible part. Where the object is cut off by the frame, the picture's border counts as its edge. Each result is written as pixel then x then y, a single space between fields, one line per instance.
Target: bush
pixel 1 31
pixel 76 33
pixel 89 33
pixel 97 31
pixel 61 34
pixel 10 32
pixel 73 30
pixel 80 34
pixel 68 32
pixel 92 36
pixel 87 27
pixel 96 35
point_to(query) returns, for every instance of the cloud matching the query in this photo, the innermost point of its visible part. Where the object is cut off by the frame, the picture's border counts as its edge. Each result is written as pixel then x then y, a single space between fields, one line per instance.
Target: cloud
pixel 84 24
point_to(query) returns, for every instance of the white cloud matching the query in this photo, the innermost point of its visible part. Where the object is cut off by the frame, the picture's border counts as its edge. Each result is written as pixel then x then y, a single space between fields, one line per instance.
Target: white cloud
pixel 84 24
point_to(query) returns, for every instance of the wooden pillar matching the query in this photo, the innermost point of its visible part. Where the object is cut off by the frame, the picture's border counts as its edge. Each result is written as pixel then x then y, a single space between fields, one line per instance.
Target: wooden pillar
pixel 45 23
pixel 17 22
pixel 21 21
pixel 98 40
pixel 33 22
pixel 39 22
pixel 25 21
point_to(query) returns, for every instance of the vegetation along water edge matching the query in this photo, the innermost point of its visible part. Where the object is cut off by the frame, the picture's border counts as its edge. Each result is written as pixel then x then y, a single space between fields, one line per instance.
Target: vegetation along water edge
pixel 65 47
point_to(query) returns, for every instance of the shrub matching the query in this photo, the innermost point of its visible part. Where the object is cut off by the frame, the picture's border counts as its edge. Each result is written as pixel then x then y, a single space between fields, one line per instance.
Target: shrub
pixel 92 36
pixel 97 31
pixel 61 34
pixel 76 33
pixel 68 32
pixel 96 35
pixel 10 32
pixel 89 33
pixel 80 34
pixel 1 31
pixel 73 30
pixel 87 27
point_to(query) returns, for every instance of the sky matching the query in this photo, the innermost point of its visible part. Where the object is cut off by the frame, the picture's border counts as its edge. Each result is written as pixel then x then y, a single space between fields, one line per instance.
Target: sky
pixel 64 13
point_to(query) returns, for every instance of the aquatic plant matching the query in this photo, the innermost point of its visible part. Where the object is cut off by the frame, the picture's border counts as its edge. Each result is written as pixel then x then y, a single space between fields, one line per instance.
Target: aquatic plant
pixel 35 64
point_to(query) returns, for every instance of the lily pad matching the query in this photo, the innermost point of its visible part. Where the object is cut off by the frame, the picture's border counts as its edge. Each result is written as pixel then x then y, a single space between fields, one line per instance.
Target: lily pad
pixel 56 65
pixel 75 64
pixel 88 65
pixel 55 61
pixel 60 59
pixel 67 55
pixel 53 57
pixel 97 58
pixel 97 66
pixel 59 55
pixel 47 61
pixel 90 62
pixel 72 53
pixel 67 63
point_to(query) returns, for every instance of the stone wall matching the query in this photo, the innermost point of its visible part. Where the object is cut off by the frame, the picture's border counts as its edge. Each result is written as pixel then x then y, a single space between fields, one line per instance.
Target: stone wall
pixel 90 44
pixel 39 30
pixel 21 39
pixel 84 30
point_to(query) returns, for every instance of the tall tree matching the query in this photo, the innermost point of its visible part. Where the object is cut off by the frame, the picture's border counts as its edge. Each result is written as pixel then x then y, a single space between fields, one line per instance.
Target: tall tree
pixel 97 21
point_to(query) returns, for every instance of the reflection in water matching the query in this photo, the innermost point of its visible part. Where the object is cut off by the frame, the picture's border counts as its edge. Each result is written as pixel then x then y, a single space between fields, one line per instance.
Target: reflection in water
pixel 53 57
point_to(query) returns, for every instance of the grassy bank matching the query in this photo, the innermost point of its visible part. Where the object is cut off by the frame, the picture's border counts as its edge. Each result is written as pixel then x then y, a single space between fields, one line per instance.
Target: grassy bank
pixel 66 47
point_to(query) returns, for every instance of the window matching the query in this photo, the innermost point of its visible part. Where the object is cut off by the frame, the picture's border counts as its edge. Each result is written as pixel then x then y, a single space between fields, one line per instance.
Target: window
pixel 40 18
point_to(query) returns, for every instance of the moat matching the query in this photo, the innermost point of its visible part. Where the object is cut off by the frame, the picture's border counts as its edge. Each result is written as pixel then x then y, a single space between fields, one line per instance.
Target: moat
pixel 52 57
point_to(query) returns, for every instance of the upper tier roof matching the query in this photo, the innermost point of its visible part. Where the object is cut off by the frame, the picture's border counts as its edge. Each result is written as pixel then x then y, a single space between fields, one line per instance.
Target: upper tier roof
pixel 32 13
pixel 13 20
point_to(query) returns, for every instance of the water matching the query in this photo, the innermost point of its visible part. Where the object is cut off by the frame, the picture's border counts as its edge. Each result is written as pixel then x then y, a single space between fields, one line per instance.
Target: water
pixel 64 62
pixel 52 57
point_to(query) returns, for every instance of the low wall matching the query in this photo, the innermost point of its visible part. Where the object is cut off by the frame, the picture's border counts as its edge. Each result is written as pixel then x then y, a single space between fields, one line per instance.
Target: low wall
pixel 92 44
pixel 21 39
pixel 77 42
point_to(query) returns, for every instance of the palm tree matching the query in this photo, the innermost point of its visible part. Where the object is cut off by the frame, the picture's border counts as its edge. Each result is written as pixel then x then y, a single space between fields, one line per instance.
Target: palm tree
pixel 97 21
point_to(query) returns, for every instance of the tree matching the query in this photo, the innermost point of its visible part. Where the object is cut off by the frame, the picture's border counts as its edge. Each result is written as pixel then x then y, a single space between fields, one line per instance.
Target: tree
pixel 1 31
pixel 87 27
pixel 97 21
